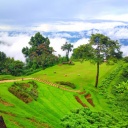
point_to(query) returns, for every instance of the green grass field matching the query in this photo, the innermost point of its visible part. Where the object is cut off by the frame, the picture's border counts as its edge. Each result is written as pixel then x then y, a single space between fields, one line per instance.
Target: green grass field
pixel 82 74
pixel 53 103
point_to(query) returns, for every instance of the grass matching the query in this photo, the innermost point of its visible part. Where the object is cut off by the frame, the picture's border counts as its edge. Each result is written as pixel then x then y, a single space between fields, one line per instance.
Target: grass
pixel 53 103
pixel 6 77
pixel 81 74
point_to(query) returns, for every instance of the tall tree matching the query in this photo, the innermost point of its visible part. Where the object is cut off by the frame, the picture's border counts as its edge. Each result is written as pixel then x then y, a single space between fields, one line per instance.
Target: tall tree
pixel 39 54
pixel 100 48
pixel 68 48
pixel 106 49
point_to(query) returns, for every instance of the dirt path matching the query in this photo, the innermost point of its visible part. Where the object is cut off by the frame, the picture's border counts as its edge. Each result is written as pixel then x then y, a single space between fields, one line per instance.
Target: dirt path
pixel 7 81
pixel 56 85
pixel 43 81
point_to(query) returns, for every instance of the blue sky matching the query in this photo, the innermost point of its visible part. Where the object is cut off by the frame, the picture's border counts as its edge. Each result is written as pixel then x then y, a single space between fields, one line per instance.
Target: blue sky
pixel 16 14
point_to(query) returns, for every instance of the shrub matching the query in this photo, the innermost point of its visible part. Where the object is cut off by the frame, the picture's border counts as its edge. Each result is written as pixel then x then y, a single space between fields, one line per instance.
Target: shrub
pixel 89 119
pixel 27 92
pixel 66 83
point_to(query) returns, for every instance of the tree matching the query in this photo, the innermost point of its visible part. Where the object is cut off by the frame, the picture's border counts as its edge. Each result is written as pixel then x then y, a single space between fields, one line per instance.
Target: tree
pixel 40 54
pixel 10 66
pixel 68 48
pixel 106 49
pixel 83 52
pixel 100 48
pixel 2 60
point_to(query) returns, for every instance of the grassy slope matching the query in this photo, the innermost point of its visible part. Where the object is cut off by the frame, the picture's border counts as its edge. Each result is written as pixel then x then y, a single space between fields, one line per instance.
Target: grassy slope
pixel 52 103
pixel 86 70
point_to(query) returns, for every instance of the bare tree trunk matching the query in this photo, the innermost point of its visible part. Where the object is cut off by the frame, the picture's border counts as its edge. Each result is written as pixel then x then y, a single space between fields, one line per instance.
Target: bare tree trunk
pixel 97 75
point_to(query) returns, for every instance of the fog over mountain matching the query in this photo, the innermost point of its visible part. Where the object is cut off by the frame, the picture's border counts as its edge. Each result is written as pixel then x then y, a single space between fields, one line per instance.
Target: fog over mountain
pixel 77 33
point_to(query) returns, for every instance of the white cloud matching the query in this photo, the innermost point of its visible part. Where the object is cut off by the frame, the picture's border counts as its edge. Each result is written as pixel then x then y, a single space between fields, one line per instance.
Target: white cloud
pixel 119 17
pixel 5 27
pixel 75 26
pixel 56 43
pixel 80 42
pixel 125 50
pixel 16 43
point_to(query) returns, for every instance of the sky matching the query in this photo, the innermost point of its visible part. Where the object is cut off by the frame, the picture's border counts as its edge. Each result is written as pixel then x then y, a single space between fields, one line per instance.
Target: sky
pixel 47 14
pixel 59 15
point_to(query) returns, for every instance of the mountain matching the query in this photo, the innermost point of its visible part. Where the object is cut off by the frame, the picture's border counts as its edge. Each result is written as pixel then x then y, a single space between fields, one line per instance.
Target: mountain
pixel 119 33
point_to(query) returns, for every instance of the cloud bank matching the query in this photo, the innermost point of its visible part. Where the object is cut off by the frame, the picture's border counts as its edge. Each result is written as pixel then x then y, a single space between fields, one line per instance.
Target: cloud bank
pixel 12 45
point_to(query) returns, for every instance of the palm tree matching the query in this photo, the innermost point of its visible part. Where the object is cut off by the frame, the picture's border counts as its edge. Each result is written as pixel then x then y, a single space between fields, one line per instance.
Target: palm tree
pixel 68 48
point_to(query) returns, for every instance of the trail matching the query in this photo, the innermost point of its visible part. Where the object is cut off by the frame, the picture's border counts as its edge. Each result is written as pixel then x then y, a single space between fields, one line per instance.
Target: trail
pixel 7 81
pixel 42 81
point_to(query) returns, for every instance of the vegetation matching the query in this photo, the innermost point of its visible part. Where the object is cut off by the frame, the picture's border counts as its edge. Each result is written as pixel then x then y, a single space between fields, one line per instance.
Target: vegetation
pixel 66 83
pixel 68 48
pixel 10 66
pixel 39 55
pixel 75 103
pixel 106 49
pixel 25 91
pixel 85 118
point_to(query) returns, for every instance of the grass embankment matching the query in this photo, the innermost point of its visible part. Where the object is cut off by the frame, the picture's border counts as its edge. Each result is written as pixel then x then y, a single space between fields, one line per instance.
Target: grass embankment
pixel 53 103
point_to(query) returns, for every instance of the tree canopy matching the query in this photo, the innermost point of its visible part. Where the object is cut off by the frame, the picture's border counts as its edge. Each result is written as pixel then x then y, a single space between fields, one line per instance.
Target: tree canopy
pixel 10 66
pixel 68 48
pixel 99 48
pixel 40 54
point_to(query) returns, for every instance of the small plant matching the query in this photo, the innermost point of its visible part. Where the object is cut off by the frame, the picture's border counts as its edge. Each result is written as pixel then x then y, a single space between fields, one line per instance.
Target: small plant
pixel 66 83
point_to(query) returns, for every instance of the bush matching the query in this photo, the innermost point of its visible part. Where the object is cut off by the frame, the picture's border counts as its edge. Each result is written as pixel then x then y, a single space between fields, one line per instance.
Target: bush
pixel 27 92
pixel 72 85
pixel 85 118
pixel 126 59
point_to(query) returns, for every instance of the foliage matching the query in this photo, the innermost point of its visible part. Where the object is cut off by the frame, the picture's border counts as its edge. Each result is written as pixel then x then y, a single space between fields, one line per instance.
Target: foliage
pixel 30 71
pixel 117 96
pixel 126 59
pixel 25 91
pixel 68 48
pixel 82 52
pixel 6 77
pixel 72 85
pixel 120 88
pixel 40 54
pixel 124 74
pixel 100 48
pixel 10 66
pixel 120 100
pixel 85 118
pixel 107 81
pixel 108 48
